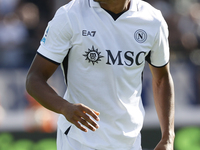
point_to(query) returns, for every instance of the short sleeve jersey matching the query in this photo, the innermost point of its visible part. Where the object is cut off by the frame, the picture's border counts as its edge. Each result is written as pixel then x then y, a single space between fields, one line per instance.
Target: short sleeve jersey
pixel 103 60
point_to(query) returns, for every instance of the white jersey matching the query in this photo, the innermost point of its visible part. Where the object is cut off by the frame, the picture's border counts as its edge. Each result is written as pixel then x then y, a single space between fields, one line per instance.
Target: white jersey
pixel 103 60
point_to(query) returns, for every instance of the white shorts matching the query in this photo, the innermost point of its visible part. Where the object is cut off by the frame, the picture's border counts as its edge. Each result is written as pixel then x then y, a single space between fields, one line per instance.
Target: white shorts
pixel 64 142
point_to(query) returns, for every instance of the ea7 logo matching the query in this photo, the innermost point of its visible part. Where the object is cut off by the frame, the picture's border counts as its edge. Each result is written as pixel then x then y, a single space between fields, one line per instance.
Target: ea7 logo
pixel 88 33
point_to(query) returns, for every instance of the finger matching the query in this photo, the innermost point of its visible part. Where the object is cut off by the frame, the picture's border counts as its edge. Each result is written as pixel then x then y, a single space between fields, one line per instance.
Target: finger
pixel 85 120
pixel 91 113
pixel 88 125
pixel 90 121
pixel 96 112
pixel 78 125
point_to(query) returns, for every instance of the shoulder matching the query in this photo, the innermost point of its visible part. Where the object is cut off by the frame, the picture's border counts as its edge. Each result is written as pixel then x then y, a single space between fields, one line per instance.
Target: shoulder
pixel 71 10
pixel 61 17
pixel 74 5
pixel 62 12
pixel 150 12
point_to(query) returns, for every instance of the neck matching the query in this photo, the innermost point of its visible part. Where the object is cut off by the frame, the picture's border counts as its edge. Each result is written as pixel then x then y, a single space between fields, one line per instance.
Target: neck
pixel 115 6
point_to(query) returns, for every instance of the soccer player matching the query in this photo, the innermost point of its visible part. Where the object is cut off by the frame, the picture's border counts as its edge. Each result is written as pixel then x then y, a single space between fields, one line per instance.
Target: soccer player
pixel 102 46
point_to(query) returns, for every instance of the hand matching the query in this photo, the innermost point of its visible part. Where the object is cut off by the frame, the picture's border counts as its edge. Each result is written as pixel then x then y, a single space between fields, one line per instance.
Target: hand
pixel 79 115
pixel 164 145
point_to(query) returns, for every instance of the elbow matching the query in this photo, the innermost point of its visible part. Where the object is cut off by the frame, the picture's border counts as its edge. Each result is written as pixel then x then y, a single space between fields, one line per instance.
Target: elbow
pixel 28 83
pixel 34 83
pixel 31 83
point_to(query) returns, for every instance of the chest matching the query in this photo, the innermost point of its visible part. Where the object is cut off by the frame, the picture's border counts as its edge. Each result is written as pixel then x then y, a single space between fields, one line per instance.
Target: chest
pixel 98 38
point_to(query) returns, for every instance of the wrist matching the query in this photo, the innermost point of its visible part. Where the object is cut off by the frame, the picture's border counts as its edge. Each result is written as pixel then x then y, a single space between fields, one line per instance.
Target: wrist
pixel 169 137
pixel 63 105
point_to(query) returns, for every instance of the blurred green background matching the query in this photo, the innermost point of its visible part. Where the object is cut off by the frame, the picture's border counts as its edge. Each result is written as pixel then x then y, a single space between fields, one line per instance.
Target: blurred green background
pixel 187 138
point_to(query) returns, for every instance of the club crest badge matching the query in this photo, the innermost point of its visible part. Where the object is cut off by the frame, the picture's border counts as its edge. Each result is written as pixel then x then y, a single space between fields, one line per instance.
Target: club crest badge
pixel 140 36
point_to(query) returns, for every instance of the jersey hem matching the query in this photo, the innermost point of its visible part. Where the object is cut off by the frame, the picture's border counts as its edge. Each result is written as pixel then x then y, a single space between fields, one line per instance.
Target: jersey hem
pixel 48 59
pixel 159 66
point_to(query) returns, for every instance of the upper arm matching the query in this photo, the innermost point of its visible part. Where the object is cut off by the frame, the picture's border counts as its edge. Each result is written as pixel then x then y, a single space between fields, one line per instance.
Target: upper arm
pixel 54 46
pixel 159 54
pixel 56 41
pixel 41 68
pixel 159 72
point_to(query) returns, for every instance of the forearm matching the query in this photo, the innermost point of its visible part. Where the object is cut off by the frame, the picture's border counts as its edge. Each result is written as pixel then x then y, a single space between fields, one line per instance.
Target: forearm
pixel 44 94
pixel 164 102
pixel 36 84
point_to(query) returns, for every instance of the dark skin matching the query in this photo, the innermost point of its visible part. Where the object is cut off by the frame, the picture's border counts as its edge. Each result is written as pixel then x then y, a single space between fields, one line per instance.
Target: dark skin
pixel 80 115
pixel 115 6
pixel 163 91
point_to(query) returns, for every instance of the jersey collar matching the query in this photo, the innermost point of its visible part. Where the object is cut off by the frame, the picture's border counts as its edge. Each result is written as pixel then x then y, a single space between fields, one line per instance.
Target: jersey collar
pixel 133 6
